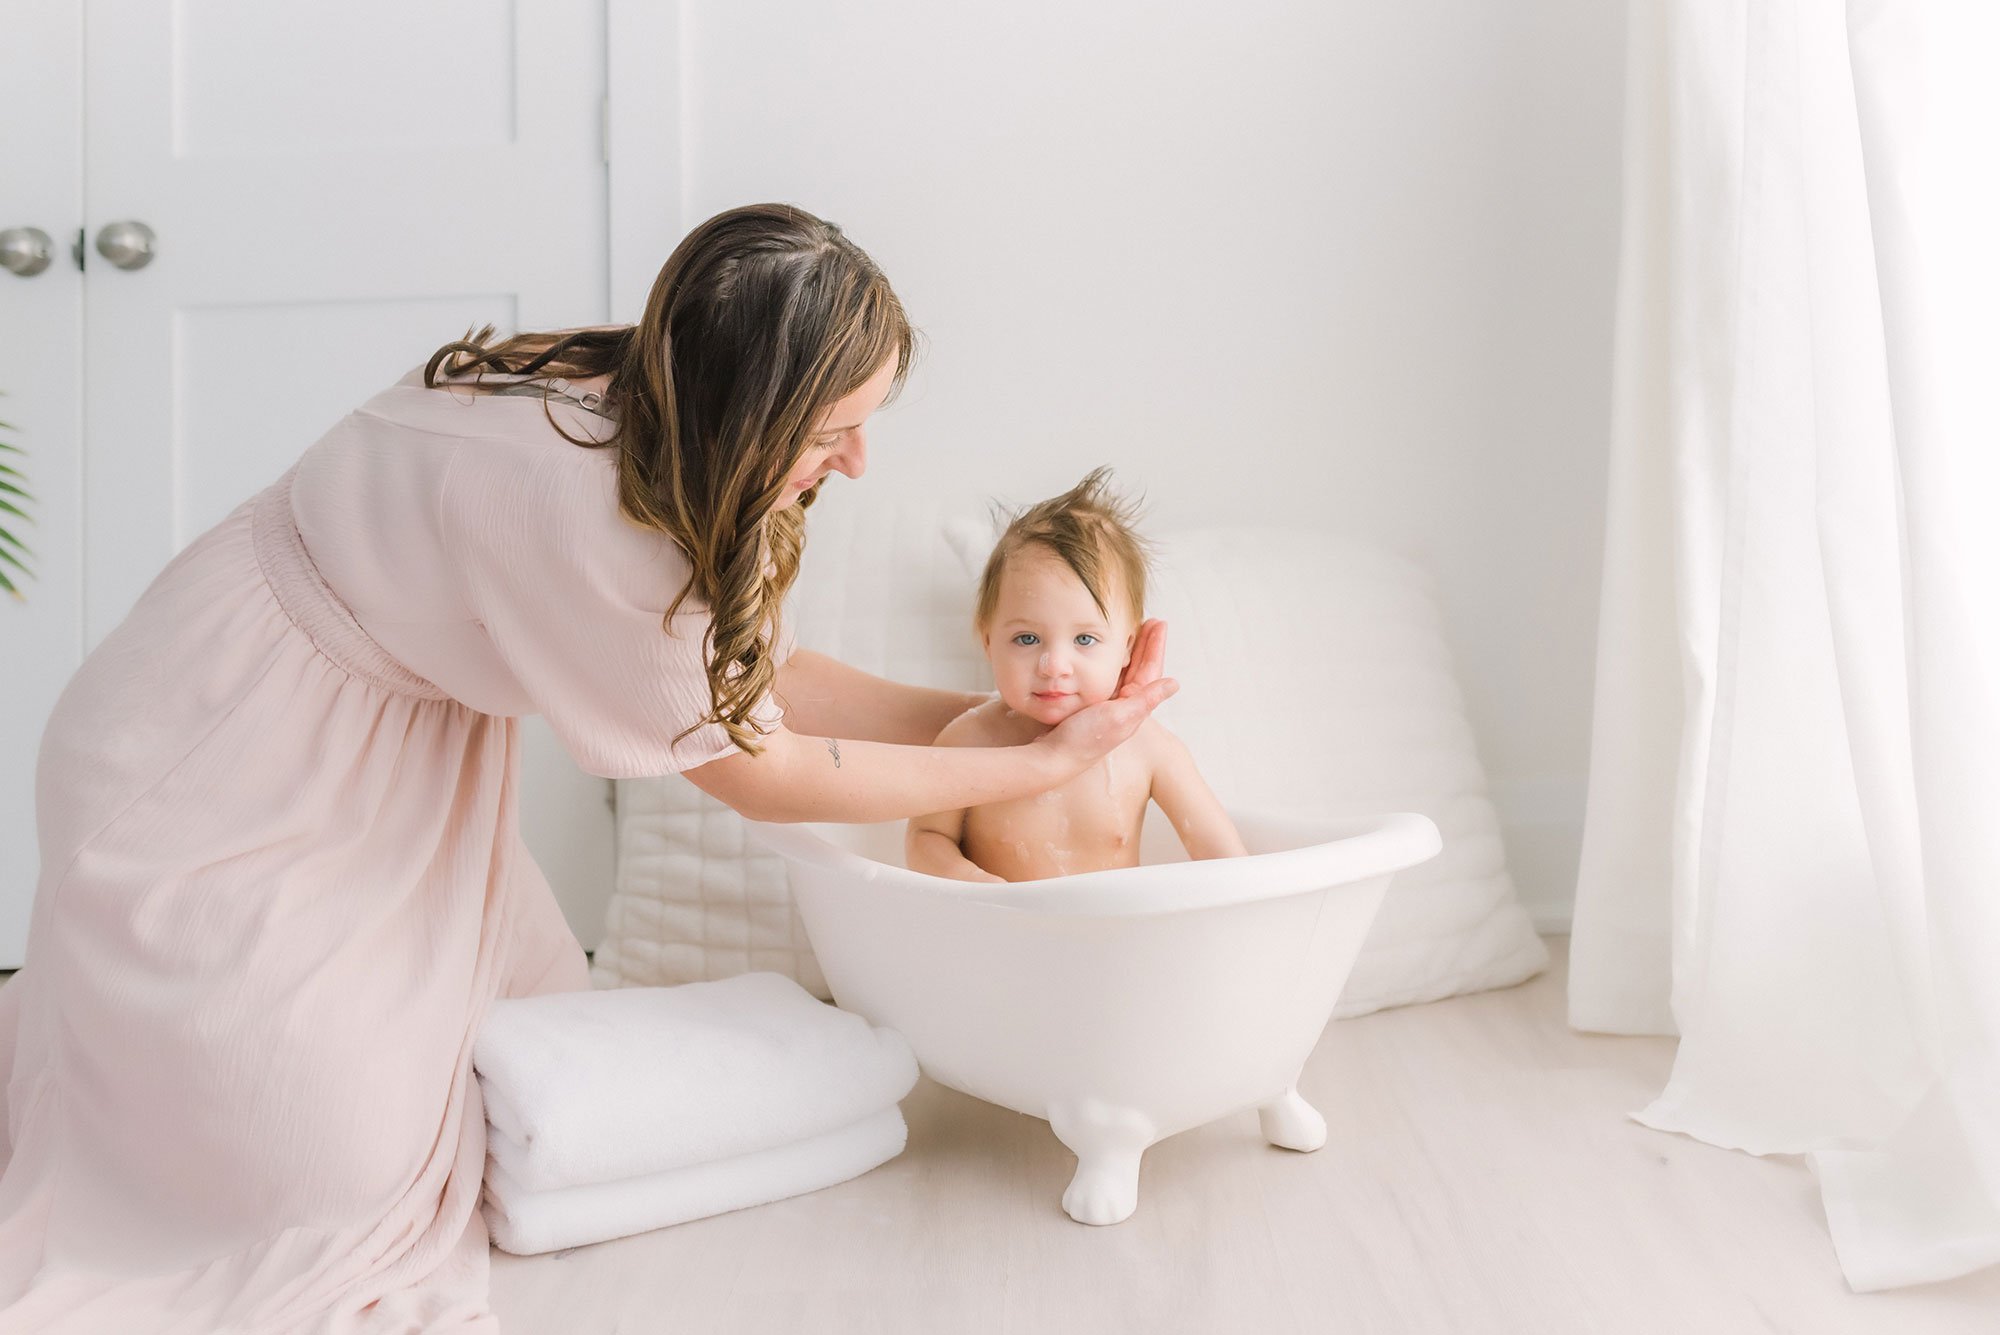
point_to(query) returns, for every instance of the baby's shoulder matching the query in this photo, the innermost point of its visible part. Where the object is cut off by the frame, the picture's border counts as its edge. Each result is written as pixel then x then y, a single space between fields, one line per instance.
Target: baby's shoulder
pixel 1157 745
pixel 980 725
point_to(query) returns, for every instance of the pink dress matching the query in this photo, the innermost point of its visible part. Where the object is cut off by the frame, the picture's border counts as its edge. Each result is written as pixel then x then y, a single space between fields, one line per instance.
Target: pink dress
pixel 282 875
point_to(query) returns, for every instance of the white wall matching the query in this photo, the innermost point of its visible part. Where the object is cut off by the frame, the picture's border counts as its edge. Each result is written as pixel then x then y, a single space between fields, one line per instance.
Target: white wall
pixel 1336 263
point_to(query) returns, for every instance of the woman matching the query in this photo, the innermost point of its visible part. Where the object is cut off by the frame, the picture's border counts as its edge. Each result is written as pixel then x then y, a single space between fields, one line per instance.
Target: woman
pixel 282 876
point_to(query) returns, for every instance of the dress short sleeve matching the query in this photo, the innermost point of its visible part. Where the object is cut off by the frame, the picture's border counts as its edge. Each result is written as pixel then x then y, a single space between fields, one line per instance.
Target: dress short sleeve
pixel 572 595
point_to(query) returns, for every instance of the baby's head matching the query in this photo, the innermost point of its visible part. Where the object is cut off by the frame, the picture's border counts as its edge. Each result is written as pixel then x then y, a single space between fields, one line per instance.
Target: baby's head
pixel 1061 599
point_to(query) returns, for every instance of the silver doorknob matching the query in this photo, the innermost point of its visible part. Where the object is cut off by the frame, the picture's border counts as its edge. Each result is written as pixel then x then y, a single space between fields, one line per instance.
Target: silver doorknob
pixel 26 250
pixel 129 245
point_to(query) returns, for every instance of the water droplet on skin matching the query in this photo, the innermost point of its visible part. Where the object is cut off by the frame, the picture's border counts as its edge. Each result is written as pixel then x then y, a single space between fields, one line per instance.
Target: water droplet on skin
pixel 1059 846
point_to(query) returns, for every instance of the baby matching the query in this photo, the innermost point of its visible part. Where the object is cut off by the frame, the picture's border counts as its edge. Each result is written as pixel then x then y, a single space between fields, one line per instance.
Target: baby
pixel 1060 606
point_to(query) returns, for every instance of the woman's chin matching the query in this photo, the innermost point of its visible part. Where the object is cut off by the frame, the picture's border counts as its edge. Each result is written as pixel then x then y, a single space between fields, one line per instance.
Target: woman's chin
pixel 799 496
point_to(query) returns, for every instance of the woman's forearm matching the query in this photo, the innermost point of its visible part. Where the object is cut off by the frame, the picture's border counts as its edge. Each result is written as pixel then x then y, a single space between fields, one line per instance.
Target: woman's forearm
pixel 798 778
pixel 824 697
pixel 857 781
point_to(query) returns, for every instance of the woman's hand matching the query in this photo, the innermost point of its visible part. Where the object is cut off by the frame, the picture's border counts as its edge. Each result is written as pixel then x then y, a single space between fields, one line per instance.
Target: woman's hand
pixel 1148 661
pixel 1087 736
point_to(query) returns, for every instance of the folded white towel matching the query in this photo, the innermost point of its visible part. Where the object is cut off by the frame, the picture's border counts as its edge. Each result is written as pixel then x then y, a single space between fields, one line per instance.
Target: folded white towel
pixel 584 1087
pixel 527 1222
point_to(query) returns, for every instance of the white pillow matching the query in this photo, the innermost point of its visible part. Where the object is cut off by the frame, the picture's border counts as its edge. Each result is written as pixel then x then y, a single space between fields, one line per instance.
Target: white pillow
pixel 1363 715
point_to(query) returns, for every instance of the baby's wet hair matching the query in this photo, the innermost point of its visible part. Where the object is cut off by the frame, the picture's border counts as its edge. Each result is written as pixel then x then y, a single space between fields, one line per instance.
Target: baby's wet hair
pixel 1095 532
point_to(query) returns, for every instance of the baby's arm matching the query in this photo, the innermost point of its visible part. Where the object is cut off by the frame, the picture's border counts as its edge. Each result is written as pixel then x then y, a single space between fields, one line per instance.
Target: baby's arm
pixel 1198 818
pixel 930 846
pixel 931 843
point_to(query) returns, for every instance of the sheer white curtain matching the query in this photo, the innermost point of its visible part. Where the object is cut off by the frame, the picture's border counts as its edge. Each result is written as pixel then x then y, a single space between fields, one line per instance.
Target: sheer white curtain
pixel 1792 849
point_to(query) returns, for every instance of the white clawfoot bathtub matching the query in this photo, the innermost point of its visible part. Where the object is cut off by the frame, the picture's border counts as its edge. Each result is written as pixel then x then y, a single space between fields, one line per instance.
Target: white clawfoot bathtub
pixel 1121 1006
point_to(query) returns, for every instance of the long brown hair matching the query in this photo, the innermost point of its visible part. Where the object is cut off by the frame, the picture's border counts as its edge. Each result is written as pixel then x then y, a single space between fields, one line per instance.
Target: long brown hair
pixel 762 318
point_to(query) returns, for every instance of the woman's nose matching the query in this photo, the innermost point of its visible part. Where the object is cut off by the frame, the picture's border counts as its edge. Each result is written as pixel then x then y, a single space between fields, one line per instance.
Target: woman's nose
pixel 853 457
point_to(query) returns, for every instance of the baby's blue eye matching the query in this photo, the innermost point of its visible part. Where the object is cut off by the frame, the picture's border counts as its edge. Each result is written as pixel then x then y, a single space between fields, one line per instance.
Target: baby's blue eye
pixel 1027 638
pixel 1086 639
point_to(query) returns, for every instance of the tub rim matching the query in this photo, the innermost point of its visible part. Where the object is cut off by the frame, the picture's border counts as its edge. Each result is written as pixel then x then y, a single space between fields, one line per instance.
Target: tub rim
pixel 1375 846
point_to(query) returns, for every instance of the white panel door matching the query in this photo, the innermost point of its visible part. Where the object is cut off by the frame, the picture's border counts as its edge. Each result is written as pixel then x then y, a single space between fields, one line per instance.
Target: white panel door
pixel 41 633
pixel 336 188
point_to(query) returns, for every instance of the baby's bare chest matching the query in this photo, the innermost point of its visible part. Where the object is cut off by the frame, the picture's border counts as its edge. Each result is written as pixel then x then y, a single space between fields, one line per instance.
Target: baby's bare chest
pixel 1088 824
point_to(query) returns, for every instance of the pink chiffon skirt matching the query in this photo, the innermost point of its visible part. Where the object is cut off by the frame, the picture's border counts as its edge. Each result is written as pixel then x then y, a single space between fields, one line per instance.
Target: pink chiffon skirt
pixel 281 882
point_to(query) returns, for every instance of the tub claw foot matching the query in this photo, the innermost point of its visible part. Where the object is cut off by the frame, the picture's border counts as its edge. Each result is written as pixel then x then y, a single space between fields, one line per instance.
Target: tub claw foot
pixel 1108 1143
pixel 1290 1123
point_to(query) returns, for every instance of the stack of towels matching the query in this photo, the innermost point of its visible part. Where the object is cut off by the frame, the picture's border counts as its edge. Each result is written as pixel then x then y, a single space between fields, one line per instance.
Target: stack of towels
pixel 614 1112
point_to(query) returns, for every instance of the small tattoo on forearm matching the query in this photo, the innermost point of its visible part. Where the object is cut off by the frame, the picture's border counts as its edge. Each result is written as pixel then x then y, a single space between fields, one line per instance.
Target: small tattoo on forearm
pixel 834 747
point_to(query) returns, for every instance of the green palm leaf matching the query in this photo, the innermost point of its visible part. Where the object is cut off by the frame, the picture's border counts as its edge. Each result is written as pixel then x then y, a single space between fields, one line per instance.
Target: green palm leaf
pixel 7 539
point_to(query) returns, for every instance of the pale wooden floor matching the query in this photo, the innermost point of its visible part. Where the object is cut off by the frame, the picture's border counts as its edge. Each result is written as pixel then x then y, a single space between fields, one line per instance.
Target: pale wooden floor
pixel 1481 1176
